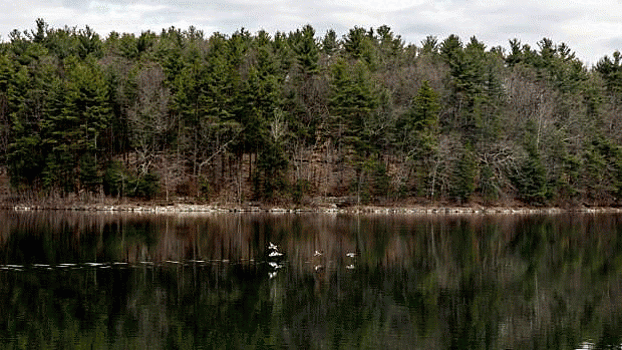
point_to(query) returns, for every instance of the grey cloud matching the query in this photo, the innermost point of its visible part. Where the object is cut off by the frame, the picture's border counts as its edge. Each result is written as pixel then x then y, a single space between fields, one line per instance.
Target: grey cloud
pixel 420 29
pixel 76 4
pixel 614 44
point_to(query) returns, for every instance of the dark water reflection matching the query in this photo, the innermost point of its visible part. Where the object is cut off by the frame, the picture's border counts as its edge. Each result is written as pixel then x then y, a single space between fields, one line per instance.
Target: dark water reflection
pixel 97 281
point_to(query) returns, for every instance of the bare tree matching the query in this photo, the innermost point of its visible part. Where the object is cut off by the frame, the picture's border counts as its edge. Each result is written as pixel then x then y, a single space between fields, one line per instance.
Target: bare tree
pixel 170 168
pixel 149 117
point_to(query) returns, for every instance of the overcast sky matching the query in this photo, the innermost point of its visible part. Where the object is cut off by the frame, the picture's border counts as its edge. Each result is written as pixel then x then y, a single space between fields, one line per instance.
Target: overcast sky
pixel 591 28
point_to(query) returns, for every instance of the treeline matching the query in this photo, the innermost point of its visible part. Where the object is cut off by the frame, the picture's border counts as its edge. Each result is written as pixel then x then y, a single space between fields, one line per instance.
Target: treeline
pixel 292 116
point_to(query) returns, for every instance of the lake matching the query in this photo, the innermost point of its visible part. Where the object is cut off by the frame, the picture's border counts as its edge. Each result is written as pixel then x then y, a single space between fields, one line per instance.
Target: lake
pixel 71 280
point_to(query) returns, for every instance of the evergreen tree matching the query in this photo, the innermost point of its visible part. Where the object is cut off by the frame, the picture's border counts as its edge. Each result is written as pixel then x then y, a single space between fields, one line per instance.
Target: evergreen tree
pixel 418 131
pixel 531 179
pixel 353 102
pixel 330 43
pixel 360 45
pixel 28 99
pixel 272 163
pixel 78 117
pixel 419 128
pixel 448 118
pixel 307 50
pixel 390 45
pixel 6 75
pixel 429 45
pixel 611 71
pixel 463 176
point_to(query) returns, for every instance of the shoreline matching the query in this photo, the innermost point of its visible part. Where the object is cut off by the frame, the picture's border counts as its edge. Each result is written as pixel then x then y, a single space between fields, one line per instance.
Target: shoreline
pixel 182 208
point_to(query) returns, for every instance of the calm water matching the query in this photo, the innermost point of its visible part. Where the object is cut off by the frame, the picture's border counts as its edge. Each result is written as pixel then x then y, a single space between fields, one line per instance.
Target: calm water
pixel 99 281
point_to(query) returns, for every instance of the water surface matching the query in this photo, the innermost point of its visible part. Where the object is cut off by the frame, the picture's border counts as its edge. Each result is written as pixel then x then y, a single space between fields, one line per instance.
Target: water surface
pixel 121 281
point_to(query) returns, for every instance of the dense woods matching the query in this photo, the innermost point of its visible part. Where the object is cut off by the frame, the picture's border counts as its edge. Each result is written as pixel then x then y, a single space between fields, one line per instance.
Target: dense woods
pixel 294 116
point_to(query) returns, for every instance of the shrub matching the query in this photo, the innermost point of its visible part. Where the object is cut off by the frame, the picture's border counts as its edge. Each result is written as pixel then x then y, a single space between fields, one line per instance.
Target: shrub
pixel 119 181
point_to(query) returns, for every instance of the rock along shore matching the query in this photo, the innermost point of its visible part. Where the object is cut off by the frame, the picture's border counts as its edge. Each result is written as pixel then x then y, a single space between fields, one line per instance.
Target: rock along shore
pixel 331 209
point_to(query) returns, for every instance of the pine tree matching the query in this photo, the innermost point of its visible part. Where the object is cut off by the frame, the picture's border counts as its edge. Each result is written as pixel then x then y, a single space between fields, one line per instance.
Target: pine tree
pixel 531 180
pixel 77 118
pixel 28 99
pixel 272 162
pixel 463 176
pixel 307 51
pixel 353 102
pixel 330 43
pixel 417 133
pixel 419 127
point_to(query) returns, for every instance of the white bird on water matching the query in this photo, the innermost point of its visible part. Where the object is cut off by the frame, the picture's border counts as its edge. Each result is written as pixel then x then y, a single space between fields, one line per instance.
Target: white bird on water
pixel 275 253
pixel 351 255
pixel 275 265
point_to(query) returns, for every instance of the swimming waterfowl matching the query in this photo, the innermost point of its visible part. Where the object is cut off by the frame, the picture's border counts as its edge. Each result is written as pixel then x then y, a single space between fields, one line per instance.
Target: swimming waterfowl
pixel 275 265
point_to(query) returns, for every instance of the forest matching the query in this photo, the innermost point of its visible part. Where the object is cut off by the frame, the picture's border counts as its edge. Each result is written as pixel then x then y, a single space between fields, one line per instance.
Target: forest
pixel 289 117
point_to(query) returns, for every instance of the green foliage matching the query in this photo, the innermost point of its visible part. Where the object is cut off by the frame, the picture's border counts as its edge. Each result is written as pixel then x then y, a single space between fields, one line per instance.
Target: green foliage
pixel 27 98
pixel 89 43
pixel 353 103
pixel 429 45
pixel 25 161
pixel 390 45
pixel 307 51
pixel 59 171
pixel 116 179
pixel 119 181
pixel 463 176
pixel 270 179
pixel 299 190
pixel 601 169
pixel 146 186
pixel 261 100
pixel 611 71
pixel 476 89
pixel 204 188
pixel 85 112
pixel 330 43
pixel 447 117
pixel 417 133
pixel 381 182
pixel 488 184
pixel 531 180
pixel 90 177
pixel 372 181
pixel 418 129
pixel 357 43
pixel 425 108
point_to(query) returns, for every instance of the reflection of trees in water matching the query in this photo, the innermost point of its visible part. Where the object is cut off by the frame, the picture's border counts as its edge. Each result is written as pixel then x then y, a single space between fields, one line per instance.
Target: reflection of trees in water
pixel 437 282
